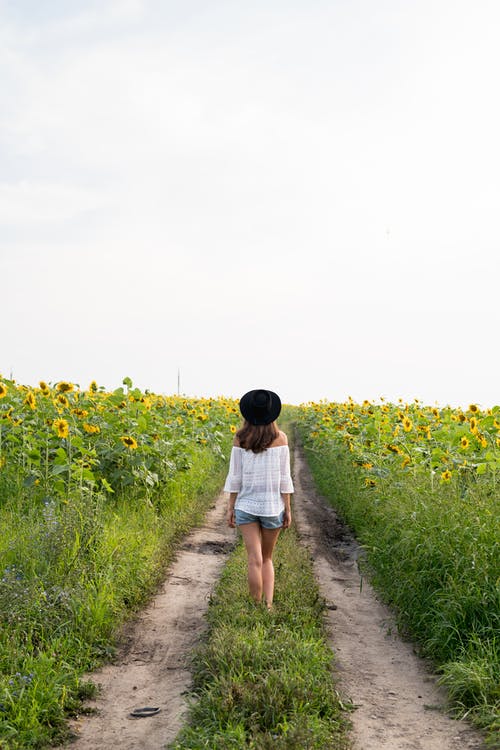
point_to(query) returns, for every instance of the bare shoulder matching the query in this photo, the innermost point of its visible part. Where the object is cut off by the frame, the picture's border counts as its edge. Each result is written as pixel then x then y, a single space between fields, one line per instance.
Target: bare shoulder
pixel 281 439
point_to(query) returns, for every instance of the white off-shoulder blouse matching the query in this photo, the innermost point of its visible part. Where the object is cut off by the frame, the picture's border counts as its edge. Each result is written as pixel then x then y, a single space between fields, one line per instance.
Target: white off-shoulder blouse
pixel 259 479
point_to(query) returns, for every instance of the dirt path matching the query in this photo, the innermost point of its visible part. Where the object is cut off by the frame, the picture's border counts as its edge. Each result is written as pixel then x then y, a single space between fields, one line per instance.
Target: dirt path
pixel 398 702
pixel 153 664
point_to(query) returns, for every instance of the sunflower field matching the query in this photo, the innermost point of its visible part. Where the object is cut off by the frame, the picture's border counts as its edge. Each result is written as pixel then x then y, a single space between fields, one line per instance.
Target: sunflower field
pixel 420 487
pixel 95 489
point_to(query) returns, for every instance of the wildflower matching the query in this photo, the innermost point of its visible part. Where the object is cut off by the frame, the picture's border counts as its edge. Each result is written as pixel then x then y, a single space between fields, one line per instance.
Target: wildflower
pixel 473 408
pixel 3 390
pixel 61 400
pixel 44 387
pixel 473 425
pixel 464 443
pixel 64 387
pixel 61 427
pixel 461 417
pixel 93 387
pixel 30 400
pixel 446 475
pixel 92 429
pixel 129 441
pixel 496 424
pixel 233 429
pixel 407 424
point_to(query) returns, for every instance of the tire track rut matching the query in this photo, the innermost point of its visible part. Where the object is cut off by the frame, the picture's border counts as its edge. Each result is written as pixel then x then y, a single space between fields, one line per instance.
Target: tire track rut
pixel 152 666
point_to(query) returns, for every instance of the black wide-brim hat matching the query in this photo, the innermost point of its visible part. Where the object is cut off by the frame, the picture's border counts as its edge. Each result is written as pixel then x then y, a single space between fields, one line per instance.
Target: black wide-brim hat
pixel 260 406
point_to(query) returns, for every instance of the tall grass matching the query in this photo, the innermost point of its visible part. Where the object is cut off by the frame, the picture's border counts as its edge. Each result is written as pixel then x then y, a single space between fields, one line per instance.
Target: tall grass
pixel 72 571
pixel 435 557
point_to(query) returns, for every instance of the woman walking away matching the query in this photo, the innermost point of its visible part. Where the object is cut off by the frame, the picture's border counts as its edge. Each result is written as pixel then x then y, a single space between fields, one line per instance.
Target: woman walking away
pixel 259 485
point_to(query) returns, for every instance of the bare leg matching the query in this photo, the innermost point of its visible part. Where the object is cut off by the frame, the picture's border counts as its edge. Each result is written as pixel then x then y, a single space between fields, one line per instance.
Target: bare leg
pixel 252 538
pixel 269 539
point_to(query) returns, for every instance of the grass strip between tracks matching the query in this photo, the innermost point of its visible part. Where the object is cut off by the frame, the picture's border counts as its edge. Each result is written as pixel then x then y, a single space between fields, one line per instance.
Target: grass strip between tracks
pixel 264 679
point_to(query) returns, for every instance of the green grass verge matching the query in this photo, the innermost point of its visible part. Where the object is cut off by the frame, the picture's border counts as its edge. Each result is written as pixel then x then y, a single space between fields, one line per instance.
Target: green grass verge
pixel 72 573
pixel 264 679
pixel 435 559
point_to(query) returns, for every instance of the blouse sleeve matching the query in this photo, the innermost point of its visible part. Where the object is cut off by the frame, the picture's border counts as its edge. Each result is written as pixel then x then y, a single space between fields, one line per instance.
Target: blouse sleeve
pixel 233 480
pixel 286 484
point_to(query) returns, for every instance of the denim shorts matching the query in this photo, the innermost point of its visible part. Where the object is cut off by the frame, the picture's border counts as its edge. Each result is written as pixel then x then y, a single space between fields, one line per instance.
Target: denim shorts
pixel 267 522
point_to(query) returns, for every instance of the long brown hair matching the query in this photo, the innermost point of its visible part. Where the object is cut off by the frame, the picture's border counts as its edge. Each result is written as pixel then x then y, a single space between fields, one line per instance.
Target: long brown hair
pixel 257 437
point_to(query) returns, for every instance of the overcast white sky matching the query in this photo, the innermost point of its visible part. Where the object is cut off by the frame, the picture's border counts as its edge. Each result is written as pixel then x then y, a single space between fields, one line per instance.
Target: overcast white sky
pixel 298 195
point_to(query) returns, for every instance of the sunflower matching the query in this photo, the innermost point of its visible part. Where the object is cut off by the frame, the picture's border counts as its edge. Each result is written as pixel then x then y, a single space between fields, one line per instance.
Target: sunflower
pixel 473 408
pixel 406 460
pixel 44 387
pixel 129 441
pixel 61 399
pixel 446 475
pixel 370 482
pixel 64 387
pixel 394 449
pixel 464 442
pixel 30 400
pixel 92 429
pixel 80 412
pixel 473 425
pixel 233 429
pixel 93 387
pixel 407 424
pixel 61 427
pixel 3 390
